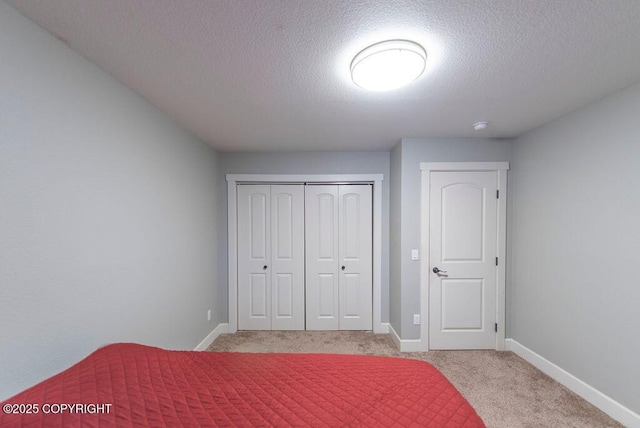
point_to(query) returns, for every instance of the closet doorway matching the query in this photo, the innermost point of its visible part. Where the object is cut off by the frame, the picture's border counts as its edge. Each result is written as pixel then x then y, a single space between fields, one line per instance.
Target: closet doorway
pixel 304 252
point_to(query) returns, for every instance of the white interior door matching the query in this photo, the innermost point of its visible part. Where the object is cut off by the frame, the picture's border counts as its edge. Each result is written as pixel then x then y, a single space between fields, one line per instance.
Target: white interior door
pixel 322 254
pixel 355 254
pixel 254 248
pixel 287 257
pixel 338 224
pixel 463 248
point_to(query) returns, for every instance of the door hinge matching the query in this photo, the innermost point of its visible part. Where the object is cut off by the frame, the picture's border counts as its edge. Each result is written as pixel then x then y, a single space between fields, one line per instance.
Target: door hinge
pixel 496 327
pixel 496 261
pixel 497 194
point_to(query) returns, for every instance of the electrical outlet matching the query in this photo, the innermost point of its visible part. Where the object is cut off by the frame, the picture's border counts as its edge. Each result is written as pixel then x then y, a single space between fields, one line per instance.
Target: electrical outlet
pixel 209 315
pixel 416 319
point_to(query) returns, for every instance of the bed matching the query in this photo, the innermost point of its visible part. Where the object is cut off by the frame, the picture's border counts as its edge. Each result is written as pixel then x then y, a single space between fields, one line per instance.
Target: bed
pixel 134 385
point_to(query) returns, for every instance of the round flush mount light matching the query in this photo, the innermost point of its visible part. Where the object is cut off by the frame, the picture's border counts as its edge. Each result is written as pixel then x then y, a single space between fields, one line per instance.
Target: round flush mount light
pixel 388 65
pixel 479 126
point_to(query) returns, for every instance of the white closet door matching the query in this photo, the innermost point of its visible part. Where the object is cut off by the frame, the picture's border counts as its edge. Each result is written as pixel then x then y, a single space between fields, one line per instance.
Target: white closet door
pixel 254 279
pixel 287 257
pixel 356 276
pixel 322 283
pixel 339 257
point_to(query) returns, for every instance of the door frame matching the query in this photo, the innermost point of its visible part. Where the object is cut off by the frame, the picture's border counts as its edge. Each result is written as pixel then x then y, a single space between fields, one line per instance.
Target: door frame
pixel 232 231
pixel 426 169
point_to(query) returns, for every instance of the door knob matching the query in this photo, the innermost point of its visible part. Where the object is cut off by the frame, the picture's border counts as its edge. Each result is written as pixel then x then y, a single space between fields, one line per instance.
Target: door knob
pixel 343 268
pixel 264 267
pixel 436 270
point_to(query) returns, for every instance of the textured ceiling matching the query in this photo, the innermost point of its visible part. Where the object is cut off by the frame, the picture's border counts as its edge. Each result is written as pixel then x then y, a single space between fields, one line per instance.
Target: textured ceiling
pixel 267 75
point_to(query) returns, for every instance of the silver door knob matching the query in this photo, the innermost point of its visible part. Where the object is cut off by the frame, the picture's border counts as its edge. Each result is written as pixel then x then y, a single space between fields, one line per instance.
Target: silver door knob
pixel 436 270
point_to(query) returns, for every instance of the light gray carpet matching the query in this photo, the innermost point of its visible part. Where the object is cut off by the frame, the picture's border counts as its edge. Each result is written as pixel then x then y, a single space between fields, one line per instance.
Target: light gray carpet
pixel 505 390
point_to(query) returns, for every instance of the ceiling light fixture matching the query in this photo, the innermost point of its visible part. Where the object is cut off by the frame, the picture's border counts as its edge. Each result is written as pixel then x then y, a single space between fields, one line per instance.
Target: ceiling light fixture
pixel 388 65
pixel 479 126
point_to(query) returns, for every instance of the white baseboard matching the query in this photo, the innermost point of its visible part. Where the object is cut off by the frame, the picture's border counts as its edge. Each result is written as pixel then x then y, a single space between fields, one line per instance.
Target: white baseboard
pixel 405 345
pixel 382 328
pixel 220 329
pixel 605 403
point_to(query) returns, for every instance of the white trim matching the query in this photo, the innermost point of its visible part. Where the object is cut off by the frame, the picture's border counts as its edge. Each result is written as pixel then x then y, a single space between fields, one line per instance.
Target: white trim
pixel 405 345
pixel 501 253
pixel 232 254
pixel 622 414
pixel 501 170
pixel 384 328
pixel 232 249
pixel 312 178
pixel 424 259
pixel 220 329
pixel 464 166
pixel 377 256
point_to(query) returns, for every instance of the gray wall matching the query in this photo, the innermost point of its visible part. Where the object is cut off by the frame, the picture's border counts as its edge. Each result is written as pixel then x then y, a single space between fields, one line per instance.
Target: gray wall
pixel 576 244
pixel 395 235
pixel 414 151
pixel 106 214
pixel 311 163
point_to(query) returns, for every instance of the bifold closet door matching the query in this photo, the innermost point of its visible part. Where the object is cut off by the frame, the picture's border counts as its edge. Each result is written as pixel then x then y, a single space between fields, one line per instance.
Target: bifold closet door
pixel 338 225
pixel 270 257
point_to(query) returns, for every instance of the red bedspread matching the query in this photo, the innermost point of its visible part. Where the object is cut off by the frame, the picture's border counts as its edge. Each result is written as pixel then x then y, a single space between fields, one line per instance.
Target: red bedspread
pixel 135 385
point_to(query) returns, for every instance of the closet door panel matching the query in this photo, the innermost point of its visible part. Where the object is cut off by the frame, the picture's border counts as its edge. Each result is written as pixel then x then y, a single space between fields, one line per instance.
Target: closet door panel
pixel 254 278
pixel 356 259
pixel 322 257
pixel 287 257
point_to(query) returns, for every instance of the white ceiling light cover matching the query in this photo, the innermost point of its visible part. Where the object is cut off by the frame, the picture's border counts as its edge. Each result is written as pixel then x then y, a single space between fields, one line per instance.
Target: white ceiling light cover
pixel 388 65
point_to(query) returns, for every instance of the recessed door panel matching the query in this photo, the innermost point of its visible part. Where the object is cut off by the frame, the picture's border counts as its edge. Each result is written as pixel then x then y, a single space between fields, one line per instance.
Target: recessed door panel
pixel 284 299
pixel 327 205
pixel 258 295
pixel 462 304
pixel 283 225
pixel 258 225
pixel 351 295
pixel 326 300
pixel 351 218
pixel 463 209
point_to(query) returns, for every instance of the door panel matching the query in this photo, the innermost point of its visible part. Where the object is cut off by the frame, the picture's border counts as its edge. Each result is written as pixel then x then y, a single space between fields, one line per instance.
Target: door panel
pixel 327 307
pixel 258 297
pixel 270 257
pixel 356 279
pixel 351 291
pixel 287 257
pixel 351 217
pixel 327 206
pixel 254 284
pixel 463 242
pixel 462 304
pixel 462 222
pixel 283 285
pixel 321 232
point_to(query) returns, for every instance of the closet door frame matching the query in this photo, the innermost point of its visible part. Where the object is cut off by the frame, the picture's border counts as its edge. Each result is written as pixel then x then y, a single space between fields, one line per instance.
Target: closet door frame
pixel 232 226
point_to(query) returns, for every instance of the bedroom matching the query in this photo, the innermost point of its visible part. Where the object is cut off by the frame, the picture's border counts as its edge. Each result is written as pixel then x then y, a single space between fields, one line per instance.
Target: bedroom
pixel 136 249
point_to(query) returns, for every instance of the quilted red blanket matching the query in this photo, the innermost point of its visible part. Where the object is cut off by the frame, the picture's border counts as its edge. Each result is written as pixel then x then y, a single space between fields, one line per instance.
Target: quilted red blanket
pixel 135 385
